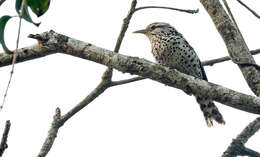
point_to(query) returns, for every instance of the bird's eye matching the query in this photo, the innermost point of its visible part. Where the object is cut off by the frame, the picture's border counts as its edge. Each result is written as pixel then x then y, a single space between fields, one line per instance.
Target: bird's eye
pixel 153 27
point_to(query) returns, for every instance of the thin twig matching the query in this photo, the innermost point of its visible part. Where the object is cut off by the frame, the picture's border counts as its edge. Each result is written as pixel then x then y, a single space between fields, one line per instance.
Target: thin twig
pixel 170 8
pixel 121 35
pixel 52 134
pixel 226 58
pixel 3 144
pixel 14 53
pixel 251 153
pixel 249 9
pixel 121 82
pixel 237 147
pixel 2 1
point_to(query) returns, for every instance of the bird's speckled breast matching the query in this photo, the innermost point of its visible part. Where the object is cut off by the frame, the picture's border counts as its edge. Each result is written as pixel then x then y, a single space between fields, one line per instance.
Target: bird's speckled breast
pixel 173 51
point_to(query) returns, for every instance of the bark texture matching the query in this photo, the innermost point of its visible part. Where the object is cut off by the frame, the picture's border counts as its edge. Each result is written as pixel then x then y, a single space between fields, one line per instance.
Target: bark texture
pixel 55 42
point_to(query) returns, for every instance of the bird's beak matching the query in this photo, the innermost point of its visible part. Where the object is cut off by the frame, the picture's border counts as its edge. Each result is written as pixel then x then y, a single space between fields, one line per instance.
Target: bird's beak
pixel 143 31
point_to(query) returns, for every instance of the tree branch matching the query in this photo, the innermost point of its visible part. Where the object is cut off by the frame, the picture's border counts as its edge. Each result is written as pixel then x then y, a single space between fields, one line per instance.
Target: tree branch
pixel 237 147
pixel 52 134
pixel 250 153
pixel 237 48
pixel 170 8
pixel 249 9
pixel 226 58
pixel 3 144
pixel 147 69
pixel 36 51
pixel 2 1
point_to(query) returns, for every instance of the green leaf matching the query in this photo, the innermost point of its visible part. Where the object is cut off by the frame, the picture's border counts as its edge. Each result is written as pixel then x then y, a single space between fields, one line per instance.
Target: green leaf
pixel 26 15
pixel 3 21
pixel 39 7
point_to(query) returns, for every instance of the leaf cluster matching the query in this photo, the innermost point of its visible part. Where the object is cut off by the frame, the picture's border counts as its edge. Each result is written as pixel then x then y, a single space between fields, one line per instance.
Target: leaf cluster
pixel 38 7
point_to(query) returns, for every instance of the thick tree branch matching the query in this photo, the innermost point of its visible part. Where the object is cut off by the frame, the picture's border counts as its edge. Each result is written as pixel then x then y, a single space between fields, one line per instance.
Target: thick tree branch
pixel 3 144
pixel 34 52
pixel 51 42
pixel 237 48
pixel 237 147
pixel 252 11
pixel 250 153
pixel 204 63
pixel 147 69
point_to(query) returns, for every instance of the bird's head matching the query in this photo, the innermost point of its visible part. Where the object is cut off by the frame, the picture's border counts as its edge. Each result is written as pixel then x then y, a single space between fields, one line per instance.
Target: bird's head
pixel 156 28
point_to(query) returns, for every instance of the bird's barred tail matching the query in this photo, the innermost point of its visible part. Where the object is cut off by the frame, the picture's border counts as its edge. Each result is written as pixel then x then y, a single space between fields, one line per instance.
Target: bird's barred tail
pixel 210 112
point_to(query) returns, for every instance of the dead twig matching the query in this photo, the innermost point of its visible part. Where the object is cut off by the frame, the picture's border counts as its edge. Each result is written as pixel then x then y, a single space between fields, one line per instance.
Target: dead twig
pixel 3 144
pixel 52 134
pixel 169 8
pixel 249 9
pixel 14 53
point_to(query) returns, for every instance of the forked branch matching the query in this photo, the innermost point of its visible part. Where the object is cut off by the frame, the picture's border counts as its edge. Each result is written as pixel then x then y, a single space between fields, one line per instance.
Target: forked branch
pixel 237 147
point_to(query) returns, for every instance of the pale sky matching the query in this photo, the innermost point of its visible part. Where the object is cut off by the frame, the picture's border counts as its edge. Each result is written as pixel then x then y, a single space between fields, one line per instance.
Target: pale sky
pixel 141 119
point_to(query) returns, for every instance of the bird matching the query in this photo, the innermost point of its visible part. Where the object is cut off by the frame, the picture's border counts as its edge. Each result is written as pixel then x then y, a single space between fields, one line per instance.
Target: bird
pixel 172 50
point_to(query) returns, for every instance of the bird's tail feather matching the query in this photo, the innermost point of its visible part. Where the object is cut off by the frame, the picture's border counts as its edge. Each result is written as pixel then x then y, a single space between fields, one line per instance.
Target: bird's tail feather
pixel 210 112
